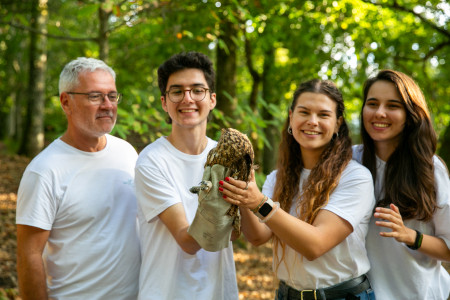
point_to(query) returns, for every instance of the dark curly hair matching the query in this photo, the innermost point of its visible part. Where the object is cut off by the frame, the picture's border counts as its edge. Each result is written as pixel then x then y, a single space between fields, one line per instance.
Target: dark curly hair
pixel 325 175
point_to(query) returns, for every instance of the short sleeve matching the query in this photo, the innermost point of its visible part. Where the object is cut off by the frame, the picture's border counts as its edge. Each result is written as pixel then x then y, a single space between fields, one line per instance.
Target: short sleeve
pixel 36 204
pixel 441 218
pixel 153 191
pixel 269 184
pixel 353 199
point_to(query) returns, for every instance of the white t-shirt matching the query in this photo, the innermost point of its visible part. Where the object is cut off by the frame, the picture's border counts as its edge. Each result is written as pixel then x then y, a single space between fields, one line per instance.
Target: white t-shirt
pixel 163 178
pixel 87 201
pixel 353 201
pixel 401 273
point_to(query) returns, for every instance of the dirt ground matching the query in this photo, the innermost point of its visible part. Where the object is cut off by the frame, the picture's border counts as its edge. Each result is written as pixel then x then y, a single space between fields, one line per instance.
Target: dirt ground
pixel 253 264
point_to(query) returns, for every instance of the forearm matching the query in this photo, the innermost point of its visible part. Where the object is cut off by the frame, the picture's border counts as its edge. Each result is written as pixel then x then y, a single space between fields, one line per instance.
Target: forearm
pixel 175 219
pixel 304 239
pixel 186 241
pixel 434 247
pixel 310 240
pixel 30 266
pixel 31 275
pixel 391 218
pixel 255 232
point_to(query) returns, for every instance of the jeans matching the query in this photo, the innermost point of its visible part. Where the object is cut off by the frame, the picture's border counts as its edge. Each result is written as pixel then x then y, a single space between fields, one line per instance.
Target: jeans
pixel 368 294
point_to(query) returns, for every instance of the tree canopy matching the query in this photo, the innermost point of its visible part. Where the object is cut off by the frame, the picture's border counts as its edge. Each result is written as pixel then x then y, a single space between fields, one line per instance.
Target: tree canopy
pixel 262 50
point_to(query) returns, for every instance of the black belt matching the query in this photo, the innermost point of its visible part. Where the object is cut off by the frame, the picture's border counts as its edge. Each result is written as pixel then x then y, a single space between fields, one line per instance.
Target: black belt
pixel 341 290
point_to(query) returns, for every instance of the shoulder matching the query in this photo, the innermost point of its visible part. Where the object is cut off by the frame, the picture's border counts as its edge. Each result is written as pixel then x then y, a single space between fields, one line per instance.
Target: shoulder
pixel 154 148
pixel 442 182
pixel 357 152
pixel 272 177
pixel 440 167
pixel 49 157
pixel 119 143
pixel 355 174
pixel 355 169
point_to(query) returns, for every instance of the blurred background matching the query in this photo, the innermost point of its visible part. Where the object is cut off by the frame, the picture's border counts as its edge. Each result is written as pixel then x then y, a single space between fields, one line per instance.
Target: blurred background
pixel 262 49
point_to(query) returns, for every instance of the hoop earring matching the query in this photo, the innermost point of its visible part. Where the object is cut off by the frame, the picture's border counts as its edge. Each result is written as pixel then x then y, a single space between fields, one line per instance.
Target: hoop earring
pixel 335 135
pixel 289 130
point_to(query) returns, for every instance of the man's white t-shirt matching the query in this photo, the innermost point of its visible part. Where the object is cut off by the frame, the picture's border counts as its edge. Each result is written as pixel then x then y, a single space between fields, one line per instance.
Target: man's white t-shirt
pixel 87 201
pixel 353 201
pixel 164 176
pixel 401 273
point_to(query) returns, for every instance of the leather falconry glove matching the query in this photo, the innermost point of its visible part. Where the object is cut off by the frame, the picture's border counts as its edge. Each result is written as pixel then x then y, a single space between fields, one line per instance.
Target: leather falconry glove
pixel 215 218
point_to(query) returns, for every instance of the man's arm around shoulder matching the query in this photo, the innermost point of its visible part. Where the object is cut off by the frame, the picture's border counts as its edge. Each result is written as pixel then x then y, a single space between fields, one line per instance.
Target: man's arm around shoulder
pixel 30 266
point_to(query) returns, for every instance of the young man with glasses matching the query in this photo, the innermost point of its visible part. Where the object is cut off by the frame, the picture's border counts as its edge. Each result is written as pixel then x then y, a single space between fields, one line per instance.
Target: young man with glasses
pixel 76 207
pixel 173 264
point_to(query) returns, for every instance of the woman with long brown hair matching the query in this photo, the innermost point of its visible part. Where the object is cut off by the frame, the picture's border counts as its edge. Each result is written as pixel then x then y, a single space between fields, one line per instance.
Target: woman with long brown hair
pixel 409 235
pixel 322 202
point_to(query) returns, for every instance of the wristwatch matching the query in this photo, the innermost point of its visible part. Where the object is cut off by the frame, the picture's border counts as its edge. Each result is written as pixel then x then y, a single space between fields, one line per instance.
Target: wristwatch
pixel 265 209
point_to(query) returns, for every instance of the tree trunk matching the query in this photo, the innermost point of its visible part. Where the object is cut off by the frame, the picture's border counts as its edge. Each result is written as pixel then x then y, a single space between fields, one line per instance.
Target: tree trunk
pixel 102 39
pixel 255 76
pixel 253 103
pixel 226 71
pixel 270 95
pixel 33 137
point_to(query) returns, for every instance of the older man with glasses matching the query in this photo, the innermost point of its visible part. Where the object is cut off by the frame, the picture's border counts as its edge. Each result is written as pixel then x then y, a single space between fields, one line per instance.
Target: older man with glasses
pixel 76 207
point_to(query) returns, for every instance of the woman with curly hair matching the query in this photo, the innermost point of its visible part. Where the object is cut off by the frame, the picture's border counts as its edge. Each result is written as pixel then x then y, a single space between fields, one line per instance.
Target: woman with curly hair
pixel 322 202
pixel 409 235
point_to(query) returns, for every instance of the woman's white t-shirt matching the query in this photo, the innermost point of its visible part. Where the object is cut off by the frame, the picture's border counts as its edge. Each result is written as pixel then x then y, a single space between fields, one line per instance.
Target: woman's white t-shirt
pixel 401 273
pixel 353 201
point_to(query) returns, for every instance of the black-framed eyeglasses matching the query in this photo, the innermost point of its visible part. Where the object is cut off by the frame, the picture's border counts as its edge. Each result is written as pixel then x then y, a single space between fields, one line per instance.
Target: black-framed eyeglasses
pixel 97 98
pixel 176 94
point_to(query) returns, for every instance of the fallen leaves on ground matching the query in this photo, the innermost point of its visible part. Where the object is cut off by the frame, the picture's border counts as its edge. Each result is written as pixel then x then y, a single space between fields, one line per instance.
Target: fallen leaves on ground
pixel 253 264
pixel 11 170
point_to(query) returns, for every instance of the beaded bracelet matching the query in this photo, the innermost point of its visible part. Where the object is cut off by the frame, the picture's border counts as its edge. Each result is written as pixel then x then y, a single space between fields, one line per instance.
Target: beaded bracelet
pixel 264 199
pixel 274 210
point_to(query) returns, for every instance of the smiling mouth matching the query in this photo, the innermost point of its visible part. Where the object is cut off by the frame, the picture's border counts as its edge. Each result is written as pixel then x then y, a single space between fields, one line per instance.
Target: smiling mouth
pixel 311 132
pixel 381 125
pixel 187 110
pixel 104 116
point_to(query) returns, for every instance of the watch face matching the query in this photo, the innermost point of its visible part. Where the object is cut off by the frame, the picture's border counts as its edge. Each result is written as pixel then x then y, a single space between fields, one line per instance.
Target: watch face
pixel 265 209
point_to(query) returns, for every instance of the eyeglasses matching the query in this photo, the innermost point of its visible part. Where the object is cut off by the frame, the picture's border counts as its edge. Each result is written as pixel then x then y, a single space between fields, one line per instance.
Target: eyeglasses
pixel 98 98
pixel 176 94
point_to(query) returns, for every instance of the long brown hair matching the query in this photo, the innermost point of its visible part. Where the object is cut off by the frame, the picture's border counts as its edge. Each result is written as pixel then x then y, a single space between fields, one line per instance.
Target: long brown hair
pixel 409 175
pixel 325 175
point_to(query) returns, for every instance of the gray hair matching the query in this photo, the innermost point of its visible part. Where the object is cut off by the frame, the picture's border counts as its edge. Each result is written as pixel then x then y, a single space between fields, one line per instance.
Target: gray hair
pixel 69 75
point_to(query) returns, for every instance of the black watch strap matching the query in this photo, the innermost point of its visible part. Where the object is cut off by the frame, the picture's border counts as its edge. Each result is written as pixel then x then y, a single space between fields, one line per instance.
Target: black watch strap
pixel 417 242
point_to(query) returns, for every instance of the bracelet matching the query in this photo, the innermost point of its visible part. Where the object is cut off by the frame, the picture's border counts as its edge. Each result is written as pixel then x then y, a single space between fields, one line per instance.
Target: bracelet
pixel 264 199
pixel 274 210
pixel 417 242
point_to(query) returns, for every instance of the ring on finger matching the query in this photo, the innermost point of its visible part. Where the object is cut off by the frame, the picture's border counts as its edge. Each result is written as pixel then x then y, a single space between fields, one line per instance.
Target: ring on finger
pixel 246 186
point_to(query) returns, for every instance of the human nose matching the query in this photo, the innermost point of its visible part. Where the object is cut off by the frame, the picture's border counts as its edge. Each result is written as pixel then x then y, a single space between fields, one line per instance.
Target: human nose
pixel 312 120
pixel 380 112
pixel 187 96
pixel 106 103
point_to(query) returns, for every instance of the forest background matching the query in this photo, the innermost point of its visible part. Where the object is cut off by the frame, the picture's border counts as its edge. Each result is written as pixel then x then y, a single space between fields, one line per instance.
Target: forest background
pixel 262 49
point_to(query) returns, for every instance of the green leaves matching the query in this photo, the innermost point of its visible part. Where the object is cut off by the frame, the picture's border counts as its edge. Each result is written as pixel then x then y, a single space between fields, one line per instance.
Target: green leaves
pixel 345 41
